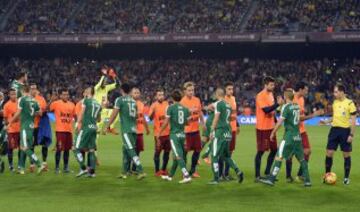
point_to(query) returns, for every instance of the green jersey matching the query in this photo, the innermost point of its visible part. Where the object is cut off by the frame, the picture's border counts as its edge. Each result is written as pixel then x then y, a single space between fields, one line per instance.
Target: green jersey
pixel 3 135
pixel 18 86
pixel 291 115
pixel 128 113
pixel 178 116
pixel 29 107
pixel 224 109
pixel 91 114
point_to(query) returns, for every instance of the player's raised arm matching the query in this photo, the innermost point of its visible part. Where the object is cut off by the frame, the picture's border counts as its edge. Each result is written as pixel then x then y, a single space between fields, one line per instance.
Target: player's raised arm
pixel 98 85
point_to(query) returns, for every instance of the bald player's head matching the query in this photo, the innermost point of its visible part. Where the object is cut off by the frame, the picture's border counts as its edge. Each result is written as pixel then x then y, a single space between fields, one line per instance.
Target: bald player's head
pixel 219 93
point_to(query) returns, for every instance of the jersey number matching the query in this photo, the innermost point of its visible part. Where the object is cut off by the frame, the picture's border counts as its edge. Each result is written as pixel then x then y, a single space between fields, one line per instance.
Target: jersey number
pixel 32 109
pixel 181 117
pixel 95 110
pixel 132 109
pixel 296 117
pixel 228 113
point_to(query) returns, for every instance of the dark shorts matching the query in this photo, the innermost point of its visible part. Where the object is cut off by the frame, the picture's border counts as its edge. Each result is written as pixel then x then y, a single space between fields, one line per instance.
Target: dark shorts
pixel 13 140
pixel 35 134
pixel 163 144
pixel 263 141
pixel 63 141
pixel 233 141
pixel 193 142
pixel 139 142
pixel 305 140
pixel 338 136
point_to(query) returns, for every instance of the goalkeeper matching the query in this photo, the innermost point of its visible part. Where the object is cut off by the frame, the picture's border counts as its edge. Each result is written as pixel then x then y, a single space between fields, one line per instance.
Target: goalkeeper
pixel 101 95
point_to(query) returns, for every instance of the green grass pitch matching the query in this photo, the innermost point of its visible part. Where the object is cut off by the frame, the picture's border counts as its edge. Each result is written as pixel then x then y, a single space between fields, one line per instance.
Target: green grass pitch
pixel 51 192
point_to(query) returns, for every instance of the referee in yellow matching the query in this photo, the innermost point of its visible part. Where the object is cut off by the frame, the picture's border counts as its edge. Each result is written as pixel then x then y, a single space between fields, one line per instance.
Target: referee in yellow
pixel 342 130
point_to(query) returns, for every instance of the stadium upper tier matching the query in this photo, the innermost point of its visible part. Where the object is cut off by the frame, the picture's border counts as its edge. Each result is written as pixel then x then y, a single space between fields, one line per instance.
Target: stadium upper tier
pixel 160 16
pixel 148 75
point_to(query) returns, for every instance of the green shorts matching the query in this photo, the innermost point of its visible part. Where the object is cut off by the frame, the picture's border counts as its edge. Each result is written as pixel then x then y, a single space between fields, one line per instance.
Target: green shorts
pixel 177 142
pixel 86 139
pixel 26 138
pixel 223 134
pixel 129 140
pixel 291 145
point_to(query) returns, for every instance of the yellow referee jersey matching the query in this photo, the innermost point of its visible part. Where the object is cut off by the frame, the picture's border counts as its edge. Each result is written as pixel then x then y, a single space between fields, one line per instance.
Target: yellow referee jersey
pixel 342 110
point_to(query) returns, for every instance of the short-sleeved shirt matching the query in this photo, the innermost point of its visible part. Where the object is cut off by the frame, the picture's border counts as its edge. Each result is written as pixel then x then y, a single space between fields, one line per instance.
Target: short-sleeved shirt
pixel 42 103
pixel 158 112
pixel 224 109
pixel 29 107
pixel 140 117
pixel 178 116
pixel 264 121
pixel 91 114
pixel 18 87
pixel 128 113
pixel 10 108
pixel 64 115
pixel 194 106
pixel 291 115
pixel 301 102
pixel 233 119
pixel 342 110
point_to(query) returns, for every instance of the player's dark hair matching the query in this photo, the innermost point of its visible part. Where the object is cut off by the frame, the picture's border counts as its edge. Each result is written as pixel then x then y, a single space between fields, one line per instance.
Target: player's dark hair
pixel 26 88
pixel 12 90
pixel 227 84
pixel 340 87
pixel 126 88
pixel 268 80
pixel 33 84
pixel 20 74
pixel 92 90
pixel 62 90
pixel 300 85
pixel 176 95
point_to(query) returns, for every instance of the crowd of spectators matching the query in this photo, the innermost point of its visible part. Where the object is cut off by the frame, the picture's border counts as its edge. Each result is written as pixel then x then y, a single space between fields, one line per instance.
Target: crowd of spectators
pixel 38 16
pixel 288 15
pixel 134 16
pixel 148 75
pixel 160 16
pixel 351 16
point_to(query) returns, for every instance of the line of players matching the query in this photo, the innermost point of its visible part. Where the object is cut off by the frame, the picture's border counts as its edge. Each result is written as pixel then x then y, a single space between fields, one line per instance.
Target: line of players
pixel 133 135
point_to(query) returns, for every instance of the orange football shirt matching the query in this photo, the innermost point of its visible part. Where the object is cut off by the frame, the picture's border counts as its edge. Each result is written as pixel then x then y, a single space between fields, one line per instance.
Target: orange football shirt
pixel 42 104
pixel 231 101
pixel 158 111
pixel 194 105
pixel 10 108
pixel 264 121
pixel 140 118
pixel 64 115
